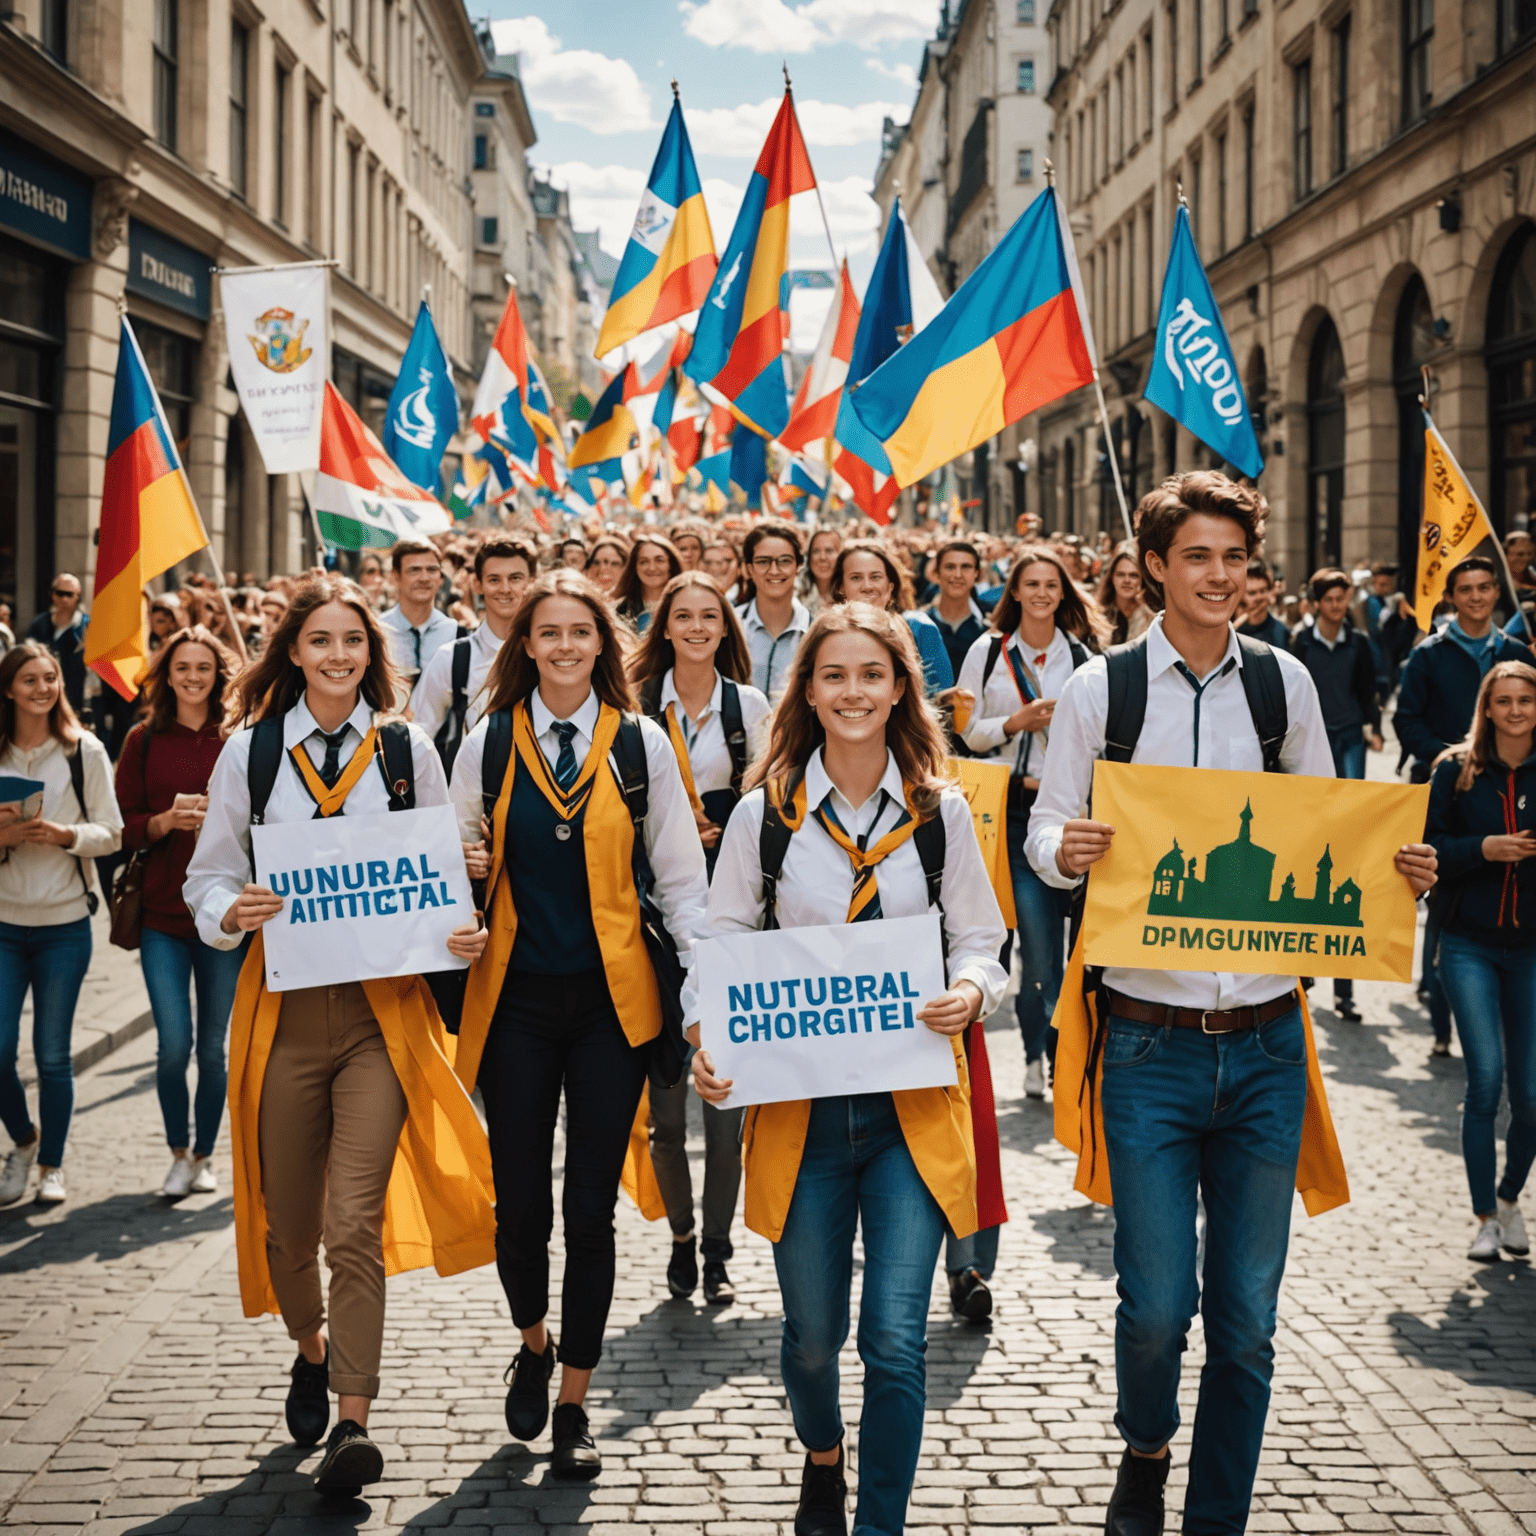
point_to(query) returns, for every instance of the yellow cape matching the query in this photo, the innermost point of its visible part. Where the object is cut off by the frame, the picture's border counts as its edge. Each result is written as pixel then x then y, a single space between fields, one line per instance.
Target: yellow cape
pixel 439 1206
pixel 1320 1177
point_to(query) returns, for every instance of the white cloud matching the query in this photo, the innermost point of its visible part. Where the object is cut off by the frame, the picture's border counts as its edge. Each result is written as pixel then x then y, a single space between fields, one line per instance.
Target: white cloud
pixel 575 85
pixel 853 214
pixel 604 196
pixel 771 26
pixel 903 73
pixel 739 131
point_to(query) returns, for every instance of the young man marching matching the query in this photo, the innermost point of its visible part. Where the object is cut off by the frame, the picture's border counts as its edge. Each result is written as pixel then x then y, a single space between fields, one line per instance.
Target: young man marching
pixel 1204 1073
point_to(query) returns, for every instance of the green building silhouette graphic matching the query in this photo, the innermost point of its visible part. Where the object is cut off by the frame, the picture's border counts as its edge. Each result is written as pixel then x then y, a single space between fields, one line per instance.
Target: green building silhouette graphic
pixel 1239 877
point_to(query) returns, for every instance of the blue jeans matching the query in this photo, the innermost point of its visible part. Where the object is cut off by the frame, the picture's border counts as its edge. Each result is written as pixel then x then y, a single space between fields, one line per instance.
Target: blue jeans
pixel 1439 1003
pixel 1218 1115
pixel 171 966
pixel 1493 992
pixel 52 961
pixel 1041 911
pixel 978 1252
pixel 856 1170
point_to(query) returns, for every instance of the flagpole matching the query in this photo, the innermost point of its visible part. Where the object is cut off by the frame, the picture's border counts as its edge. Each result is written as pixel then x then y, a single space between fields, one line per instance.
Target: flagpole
pixel 825 222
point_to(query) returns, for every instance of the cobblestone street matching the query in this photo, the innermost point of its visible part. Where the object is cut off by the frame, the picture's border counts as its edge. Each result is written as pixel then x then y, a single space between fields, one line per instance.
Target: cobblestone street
pixel 134 1397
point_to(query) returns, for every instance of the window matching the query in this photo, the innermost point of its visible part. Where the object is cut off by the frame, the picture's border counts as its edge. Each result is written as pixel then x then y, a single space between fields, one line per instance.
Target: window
pixel 1221 194
pixel 482 152
pixel 280 145
pixel 1413 341
pixel 1517 23
pixel 1250 9
pixel 165 52
pixel 1196 201
pixel 312 148
pixel 1173 53
pixel 53 28
pixel 239 60
pixel 485 109
pixel 1026 13
pixel 1027 76
pixel 1301 126
pixel 1224 15
pixel 1026 165
pixel 1418 34
pixel 487 231
pixel 172 362
pixel 354 231
pixel 1325 448
pixel 1248 172
pixel 1197 37
pixel 1340 112
pixel 1511 358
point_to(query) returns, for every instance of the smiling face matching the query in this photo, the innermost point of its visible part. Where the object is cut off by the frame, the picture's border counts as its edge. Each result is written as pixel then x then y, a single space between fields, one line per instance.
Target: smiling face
pixel 420 577
pixel 1333 605
pixel 332 653
pixel 957 575
pixel 690 549
pixel 773 568
pixel 866 580
pixel 853 688
pixel 1512 706
pixel 822 555
pixel 35 688
pixel 1473 595
pixel 1205 573
pixel 564 642
pixel 1127 583
pixel 193 671
pixel 502 583
pixel 605 567
pixel 696 623
pixel 654 570
pixel 1037 587
pixel 1257 591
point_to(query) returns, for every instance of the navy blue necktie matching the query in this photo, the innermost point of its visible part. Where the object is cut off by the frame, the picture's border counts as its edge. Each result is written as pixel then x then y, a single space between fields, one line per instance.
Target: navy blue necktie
pixel 566 766
pixel 330 769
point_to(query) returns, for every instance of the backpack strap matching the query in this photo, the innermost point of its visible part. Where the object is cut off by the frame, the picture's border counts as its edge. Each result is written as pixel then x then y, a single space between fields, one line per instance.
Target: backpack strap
pixel 460 678
pixel 1264 687
pixel 650 698
pixel 1078 649
pixel 931 840
pixel 994 650
pixel 772 845
pixel 266 757
pixel 495 758
pixel 735 732
pixel 76 761
pixel 1127 671
pixel 634 775
pixel 397 763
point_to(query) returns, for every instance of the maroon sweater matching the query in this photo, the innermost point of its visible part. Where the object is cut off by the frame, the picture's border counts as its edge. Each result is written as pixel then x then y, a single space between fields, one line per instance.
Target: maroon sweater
pixel 177 762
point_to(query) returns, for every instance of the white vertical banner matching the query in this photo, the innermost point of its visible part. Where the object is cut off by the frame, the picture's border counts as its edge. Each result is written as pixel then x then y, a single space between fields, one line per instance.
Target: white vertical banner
pixel 276 327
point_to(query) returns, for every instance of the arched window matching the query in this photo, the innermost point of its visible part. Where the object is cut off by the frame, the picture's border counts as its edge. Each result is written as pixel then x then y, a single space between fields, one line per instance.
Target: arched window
pixel 1413 339
pixel 1511 356
pixel 1325 449
pixel 1258 392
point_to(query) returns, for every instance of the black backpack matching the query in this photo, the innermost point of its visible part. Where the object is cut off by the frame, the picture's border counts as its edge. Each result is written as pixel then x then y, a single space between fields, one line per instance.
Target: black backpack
pixel 450 734
pixel 394 758
pixel 1020 799
pixel 730 722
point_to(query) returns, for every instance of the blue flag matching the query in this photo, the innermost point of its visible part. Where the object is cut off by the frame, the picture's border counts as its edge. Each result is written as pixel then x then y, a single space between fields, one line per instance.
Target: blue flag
pixel 1194 376
pixel 423 407
pixel 749 464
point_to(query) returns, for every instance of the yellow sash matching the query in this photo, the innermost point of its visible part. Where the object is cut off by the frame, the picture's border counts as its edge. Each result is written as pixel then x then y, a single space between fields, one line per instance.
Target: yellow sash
pixel 864 860
pixel 567 803
pixel 684 766
pixel 331 800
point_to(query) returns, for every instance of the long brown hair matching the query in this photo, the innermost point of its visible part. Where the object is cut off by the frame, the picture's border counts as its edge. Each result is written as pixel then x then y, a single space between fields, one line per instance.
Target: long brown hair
pixel 1072 613
pixel 273 684
pixel 913 732
pixel 161 696
pixel 901 584
pixel 657 653
pixel 628 594
pixel 515 674
pixel 1476 750
pixel 63 723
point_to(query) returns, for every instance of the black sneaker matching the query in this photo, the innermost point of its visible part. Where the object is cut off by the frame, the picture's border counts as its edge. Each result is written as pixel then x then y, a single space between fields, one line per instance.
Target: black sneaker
pixel 308 1409
pixel 683 1267
pixel 528 1395
pixel 823 1508
pixel 351 1461
pixel 717 1284
pixel 1136 1506
pixel 970 1297
pixel 576 1454
pixel 1346 1010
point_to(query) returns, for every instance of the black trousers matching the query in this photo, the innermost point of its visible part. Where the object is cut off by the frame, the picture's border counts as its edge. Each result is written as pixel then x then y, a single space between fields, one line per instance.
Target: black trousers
pixel 551 1033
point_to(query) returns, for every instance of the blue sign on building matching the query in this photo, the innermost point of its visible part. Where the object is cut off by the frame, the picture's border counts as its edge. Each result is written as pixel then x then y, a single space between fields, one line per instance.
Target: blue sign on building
pixel 43 200
pixel 167 271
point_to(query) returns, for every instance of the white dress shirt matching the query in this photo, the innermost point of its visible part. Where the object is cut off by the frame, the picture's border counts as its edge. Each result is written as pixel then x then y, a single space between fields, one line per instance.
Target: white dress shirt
pixel 1227 740
pixel 708 756
pixel 221 863
pixel 438 631
pixel 773 656
pixel 1001 698
pixel 671 834
pixel 432 697
pixel 816 882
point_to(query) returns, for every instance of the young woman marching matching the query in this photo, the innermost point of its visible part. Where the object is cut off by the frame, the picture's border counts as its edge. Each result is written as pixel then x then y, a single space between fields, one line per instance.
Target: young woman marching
pixel 693 675
pixel 651 565
pixel 327 1084
pixel 815 585
pixel 564 998
pixel 1482 817
pixel 865 572
pixel 854 765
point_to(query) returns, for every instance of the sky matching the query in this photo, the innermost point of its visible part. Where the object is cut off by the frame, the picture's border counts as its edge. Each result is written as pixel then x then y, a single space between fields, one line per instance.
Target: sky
pixel 598 79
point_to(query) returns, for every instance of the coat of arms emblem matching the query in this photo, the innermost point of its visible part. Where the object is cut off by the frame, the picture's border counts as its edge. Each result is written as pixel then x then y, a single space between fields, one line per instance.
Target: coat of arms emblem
pixel 280 344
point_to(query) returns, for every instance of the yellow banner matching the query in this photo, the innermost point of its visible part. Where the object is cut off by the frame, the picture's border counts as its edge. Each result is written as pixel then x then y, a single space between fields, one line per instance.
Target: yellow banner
pixel 1453 525
pixel 1260 872
pixel 986 787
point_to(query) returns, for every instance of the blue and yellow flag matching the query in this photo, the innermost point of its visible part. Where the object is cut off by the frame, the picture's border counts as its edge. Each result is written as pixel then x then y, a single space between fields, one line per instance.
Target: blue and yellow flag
pixel 610 433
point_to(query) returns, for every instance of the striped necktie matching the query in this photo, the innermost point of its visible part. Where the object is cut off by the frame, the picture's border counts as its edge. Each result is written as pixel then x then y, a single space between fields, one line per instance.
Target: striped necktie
pixel 864 903
pixel 566 766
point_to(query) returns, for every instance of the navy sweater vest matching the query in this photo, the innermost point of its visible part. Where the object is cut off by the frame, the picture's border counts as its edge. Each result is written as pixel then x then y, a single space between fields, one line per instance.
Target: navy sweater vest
pixel 548 876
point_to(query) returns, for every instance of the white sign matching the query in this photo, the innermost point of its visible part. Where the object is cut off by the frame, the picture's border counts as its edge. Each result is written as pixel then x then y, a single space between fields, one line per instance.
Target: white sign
pixel 363 896
pixel 275 329
pixel 806 1013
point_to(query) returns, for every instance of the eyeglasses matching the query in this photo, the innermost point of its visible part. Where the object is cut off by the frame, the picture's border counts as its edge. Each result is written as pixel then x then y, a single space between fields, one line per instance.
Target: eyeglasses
pixel 65 592
pixel 774 562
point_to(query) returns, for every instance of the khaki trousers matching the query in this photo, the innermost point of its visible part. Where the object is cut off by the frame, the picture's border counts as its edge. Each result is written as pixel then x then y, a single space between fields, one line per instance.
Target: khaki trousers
pixel 331 1114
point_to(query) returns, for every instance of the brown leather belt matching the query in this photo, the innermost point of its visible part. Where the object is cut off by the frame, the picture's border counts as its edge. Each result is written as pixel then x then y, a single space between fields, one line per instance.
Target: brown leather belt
pixel 1217 1021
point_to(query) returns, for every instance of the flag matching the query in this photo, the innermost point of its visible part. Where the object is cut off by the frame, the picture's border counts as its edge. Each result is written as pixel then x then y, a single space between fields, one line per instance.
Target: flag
pixel 1193 376
pixel 715 471
pixel 738 345
pixel 362 500
pixel 148 521
pixel 749 465
pixel 502 412
pixel 669 262
pixel 902 298
pixel 1013 338
pixel 423 411
pixel 611 430
pixel 1453 524
pixel 813 416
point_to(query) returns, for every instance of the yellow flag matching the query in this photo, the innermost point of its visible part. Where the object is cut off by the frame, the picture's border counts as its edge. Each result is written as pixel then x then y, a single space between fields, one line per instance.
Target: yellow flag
pixel 985 786
pixel 1453 525
pixel 1271 873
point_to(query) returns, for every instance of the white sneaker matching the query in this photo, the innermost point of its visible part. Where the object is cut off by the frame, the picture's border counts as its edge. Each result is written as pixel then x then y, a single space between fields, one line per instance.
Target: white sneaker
pixel 50 1189
pixel 178 1181
pixel 204 1180
pixel 1034 1079
pixel 1512 1228
pixel 16 1172
pixel 1485 1245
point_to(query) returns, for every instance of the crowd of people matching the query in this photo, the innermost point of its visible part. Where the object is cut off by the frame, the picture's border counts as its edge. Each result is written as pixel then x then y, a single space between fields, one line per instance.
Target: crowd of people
pixel 717 727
